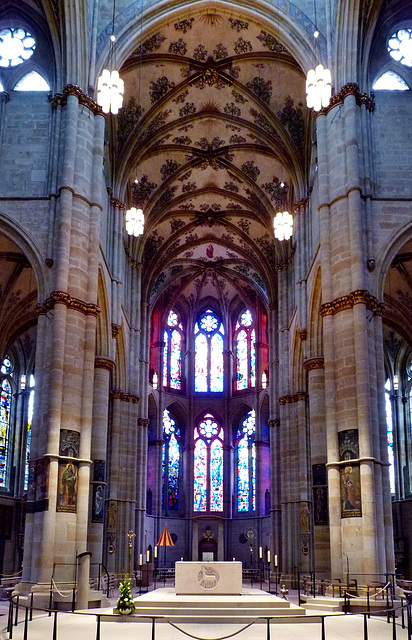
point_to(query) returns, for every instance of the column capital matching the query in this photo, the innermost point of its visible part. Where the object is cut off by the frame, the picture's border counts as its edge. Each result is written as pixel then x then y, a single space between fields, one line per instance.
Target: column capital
pixel 314 363
pixel 60 297
pixel 116 394
pixel 101 362
pixel 360 296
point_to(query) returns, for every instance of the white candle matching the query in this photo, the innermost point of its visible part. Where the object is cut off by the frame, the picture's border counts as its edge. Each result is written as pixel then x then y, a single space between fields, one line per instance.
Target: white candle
pixel 181 559
pixel 269 555
pixel 276 561
pixel 148 556
pixel 234 559
pixel 155 552
pixel 141 559
pixel 260 552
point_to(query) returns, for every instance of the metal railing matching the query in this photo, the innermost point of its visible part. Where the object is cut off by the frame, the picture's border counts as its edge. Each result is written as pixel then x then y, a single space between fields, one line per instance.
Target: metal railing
pixel 15 606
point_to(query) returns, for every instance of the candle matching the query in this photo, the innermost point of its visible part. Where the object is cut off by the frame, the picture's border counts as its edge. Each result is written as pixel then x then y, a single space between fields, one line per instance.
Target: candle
pixel 155 552
pixel 148 556
pixel 260 552
pixel 141 559
pixel 276 561
pixel 234 559
pixel 181 559
pixel 269 556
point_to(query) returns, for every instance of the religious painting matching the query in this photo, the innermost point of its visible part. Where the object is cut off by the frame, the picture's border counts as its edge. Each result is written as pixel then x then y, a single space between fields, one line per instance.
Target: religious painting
pixel 42 485
pixel 98 503
pixel 320 505
pixel 69 443
pixel 348 444
pixel 67 487
pixel 350 490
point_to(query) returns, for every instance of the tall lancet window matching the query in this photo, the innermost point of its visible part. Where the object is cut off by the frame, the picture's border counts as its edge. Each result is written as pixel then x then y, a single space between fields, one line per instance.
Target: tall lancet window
pixel 29 421
pixel 245 340
pixel 389 431
pixel 246 464
pixel 170 462
pixel 209 336
pixel 172 352
pixel 208 466
pixel 5 423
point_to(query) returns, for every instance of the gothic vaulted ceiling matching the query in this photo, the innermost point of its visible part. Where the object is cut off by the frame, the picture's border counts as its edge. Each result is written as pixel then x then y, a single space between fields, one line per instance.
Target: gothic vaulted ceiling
pixel 214 128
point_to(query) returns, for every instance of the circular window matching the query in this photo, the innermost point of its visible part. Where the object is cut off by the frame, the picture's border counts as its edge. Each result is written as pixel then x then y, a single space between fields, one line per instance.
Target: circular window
pixel 400 46
pixel 16 46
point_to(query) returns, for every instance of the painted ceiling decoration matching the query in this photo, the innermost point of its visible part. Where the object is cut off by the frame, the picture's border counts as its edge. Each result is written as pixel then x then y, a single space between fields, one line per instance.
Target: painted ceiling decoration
pixel 215 131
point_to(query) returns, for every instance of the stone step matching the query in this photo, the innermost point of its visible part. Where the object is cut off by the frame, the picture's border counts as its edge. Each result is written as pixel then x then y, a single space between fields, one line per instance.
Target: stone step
pixel 220 612
pixel 321 606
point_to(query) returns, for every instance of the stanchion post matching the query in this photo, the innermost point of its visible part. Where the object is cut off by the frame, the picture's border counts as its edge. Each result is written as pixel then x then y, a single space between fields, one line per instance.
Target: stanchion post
pixel 16 617
pixel 402 613
pixel 268 629
pixel 153 628
pixel 50 599
pixel 26 623
pixel 31 606
pixel 323 636
pixel 98 628
pixel 393 625
pixel 10 619
pixel 11 623
pixel 74 599
pixel 365 626
pixel 55 626
pixel 369 604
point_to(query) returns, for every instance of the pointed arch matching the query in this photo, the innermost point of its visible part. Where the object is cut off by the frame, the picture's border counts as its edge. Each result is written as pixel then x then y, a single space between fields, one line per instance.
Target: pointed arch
pixel 103 332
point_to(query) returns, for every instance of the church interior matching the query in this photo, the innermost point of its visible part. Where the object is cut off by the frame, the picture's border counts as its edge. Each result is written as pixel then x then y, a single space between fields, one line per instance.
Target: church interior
pixel 205 285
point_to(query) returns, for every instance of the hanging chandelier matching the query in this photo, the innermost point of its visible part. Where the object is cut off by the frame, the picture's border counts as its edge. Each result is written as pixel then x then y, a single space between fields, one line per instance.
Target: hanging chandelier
pixel 283 225
pixel 134 222
pixel 110 89
pixel 110 86
pixel 318 88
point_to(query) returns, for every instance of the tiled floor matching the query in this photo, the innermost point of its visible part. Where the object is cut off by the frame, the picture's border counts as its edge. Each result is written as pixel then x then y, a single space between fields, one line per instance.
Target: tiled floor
pixel 82 626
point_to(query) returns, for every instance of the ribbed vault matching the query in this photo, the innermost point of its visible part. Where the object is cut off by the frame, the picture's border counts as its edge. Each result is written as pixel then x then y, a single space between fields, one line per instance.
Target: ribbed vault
pixel 215 131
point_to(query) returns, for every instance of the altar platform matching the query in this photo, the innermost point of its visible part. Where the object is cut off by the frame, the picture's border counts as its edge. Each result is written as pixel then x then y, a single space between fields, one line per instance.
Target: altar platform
pixel 250 605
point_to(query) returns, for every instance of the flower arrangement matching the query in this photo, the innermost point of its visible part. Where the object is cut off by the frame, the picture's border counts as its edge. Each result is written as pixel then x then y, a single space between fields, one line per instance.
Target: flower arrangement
pixel 125 603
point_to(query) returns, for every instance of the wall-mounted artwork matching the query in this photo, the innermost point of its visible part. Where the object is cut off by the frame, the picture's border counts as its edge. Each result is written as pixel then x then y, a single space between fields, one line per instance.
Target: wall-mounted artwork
pixel 348 444
pixel 67 487
pixel 320 505
pixel 350 491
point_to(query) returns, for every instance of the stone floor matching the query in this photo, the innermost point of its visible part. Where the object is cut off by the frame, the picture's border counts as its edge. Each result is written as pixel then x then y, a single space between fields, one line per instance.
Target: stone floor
pixel 82 626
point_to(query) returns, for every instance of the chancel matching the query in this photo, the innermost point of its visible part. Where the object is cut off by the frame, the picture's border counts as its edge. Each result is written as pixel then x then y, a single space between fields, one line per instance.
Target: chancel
pixel 206 297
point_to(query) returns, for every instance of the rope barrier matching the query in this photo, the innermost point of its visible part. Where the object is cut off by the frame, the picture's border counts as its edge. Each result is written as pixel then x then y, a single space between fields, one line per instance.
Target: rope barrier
pixel 63 595
pixel 381 590
pixel 11 575
pixel 231 635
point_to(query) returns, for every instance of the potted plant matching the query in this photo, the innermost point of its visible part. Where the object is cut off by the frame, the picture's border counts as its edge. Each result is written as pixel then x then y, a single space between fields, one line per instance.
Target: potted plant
pixel 125 603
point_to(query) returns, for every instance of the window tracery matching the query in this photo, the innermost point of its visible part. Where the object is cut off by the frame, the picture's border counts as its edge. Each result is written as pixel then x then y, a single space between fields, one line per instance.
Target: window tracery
pixel 245 340
pixel 246 464
pixel 170 462
pixel 172 352
pixel 209 343
pixel 5 422
pixel 208 466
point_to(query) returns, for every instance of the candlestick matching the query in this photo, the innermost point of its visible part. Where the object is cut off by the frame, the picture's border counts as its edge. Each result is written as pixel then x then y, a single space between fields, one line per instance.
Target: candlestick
pixel 155 552
pixel 148 556
pixel 276 561
pixel 141 559
pixel 269 556
pixel 260 552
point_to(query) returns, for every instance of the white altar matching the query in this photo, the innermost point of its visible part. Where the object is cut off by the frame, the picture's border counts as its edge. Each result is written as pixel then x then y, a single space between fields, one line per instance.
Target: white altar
pixel 208 578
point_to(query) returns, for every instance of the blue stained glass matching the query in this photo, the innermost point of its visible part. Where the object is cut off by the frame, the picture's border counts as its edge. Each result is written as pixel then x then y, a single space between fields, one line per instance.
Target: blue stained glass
pixel 165 358
pixel 5 401
pixel 253 359
pixel 172 352
pixel 201 361
pixel 389 432
pixel 216 365
pixel 208 428
pixel 200 476
pixel 216 476
pixel 209 322
pixel 243 475
pixel 176 360
pixel 241 360
pixel 246 464
pixel 28 442
pixel 170 462
pixel 246 319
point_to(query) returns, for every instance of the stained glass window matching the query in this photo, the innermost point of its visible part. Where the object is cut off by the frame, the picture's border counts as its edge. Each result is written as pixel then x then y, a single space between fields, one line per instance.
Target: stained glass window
pixel 170 462
pixel 209 343
pixel 5 406
pixel 389 430
pixel 172 352
pixel 246 464
pixel 208 466
pixel 245 340
pixel 29 421
pixel 16 46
